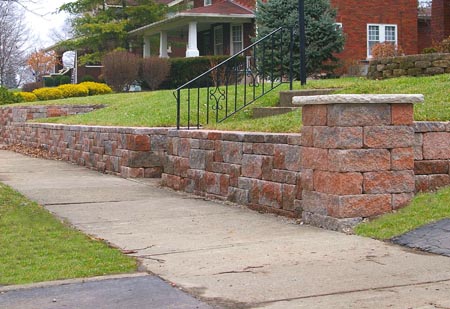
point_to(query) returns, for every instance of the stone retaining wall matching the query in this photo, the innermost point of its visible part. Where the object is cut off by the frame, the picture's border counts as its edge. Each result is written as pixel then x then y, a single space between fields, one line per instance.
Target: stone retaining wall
pixel 259 170
pixel 128 152
pixel 413 65
pixel 432 155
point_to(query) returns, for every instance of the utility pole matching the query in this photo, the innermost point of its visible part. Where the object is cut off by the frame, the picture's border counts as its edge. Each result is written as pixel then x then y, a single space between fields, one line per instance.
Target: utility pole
pixel 302 35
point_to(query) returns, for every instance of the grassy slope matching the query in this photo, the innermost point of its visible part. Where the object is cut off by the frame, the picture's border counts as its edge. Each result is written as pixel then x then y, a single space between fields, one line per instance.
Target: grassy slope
pixel 37 247
pixel 159 108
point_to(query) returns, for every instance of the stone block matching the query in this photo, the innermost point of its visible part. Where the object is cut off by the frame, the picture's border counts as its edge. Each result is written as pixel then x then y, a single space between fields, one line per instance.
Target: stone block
pixel 402 114
pixel 350 115
pixel 418 149
pixel 252 166
pixel 402 159
pixel 317 202
pixel 144 159
pixel 438 181
pixel 314 158
pixel 338 183
pixel 338 137
pixel 359 160
pixel 422 64
pixel 422 183
pixel 307 136
pixel 436 145
pixel 388 136
pixel 153 172
pixel 197 159
pixel 184 147
pixel 130 172
pixel 441 63
pixel 283 176
pixel 238 196
pixel 232 152
pixel 434 71
pixel 263 149
pixel 137 142
pixel 307 179
pixel 314 115
pixel 171 181
pixel 401 200
pixel 270 194
pixel 389 182
pixel 429 167
pixel 364 205
pixel 288 196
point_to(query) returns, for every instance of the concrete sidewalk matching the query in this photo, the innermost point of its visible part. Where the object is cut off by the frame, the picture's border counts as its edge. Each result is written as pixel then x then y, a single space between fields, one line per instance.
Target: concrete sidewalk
pixel 230 256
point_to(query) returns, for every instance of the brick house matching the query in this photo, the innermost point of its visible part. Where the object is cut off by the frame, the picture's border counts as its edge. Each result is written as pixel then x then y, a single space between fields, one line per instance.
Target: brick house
pixel 214 27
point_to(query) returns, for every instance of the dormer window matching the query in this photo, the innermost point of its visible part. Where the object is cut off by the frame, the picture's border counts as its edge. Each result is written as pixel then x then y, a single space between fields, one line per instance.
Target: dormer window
pixel 207 2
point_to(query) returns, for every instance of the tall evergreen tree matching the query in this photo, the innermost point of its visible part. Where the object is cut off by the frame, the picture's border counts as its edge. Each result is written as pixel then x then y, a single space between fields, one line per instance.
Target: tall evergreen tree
pixel 323 37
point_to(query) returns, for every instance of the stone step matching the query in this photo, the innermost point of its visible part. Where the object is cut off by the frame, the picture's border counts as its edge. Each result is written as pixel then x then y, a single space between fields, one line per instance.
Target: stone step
pixel 259 112
pixel 286 96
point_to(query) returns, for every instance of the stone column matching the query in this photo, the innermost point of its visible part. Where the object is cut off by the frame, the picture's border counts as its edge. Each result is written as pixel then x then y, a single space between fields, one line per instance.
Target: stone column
pixel 163 45
pixel 192 50
pixel 357 157
pixel 146 49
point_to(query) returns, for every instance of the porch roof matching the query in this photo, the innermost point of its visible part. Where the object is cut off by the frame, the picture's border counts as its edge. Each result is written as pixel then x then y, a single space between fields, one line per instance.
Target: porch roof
pixel 220 12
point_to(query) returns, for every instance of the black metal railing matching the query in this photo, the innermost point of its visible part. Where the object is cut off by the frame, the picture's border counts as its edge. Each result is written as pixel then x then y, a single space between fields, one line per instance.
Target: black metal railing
pixel 237 82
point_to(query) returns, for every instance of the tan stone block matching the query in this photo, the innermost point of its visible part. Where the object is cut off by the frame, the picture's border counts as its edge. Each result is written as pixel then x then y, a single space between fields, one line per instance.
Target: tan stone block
pixel 402 114
pixel 402 159
pixel 364 205
pixel 359 160
pixel 389 182
pixel 388 136
pixel 314 115
pixel 338 183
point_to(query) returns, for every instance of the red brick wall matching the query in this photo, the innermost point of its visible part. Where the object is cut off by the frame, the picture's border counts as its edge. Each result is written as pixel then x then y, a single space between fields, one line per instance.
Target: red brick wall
pixel 355 15
pixel 424 35
pixel 440 22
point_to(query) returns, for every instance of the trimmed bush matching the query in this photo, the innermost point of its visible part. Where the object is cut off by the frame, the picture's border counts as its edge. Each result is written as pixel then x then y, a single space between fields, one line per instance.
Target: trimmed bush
pixel 71 91
pixel 48 81
pixel 7 97
pixel 96 88
pixel 65 80
pixel 154 71
pixel 183 70
pixel 44 94
pixel 87 78
pixel 29 87
pixel 120 69
pixel 27 96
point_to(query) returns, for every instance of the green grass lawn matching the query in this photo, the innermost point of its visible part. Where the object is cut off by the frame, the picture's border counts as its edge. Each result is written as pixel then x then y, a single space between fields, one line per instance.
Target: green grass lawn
pixel 425 208
pixel 36 247
pixel 158 108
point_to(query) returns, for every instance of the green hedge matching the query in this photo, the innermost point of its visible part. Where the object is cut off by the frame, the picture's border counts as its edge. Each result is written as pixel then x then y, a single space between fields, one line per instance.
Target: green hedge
pixel 183 70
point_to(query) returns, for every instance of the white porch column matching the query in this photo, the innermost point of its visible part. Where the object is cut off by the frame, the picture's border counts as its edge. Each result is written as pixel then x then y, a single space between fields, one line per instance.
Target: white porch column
pixel 192 50
pixel 163 44
pixel 146 52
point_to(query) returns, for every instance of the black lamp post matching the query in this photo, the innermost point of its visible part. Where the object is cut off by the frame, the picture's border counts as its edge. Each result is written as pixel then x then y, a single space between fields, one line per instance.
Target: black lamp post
pixel 301 22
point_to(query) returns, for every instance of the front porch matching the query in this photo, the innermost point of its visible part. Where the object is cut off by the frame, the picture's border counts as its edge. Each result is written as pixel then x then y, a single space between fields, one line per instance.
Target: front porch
pixel 219 29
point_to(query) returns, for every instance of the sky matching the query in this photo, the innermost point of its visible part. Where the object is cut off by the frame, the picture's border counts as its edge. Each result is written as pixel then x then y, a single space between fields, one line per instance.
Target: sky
pixel 41 19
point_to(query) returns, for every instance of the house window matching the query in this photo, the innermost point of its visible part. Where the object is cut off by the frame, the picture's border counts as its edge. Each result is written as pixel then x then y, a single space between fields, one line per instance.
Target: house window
pixel 218 40
pixel 236 39
pixel 379 34
pixel 207 2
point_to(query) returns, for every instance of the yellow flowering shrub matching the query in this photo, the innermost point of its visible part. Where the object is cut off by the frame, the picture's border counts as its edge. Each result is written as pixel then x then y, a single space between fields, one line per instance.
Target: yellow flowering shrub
pixel 27 96
pixel 48 94
pixel 71 91
pixel 96 88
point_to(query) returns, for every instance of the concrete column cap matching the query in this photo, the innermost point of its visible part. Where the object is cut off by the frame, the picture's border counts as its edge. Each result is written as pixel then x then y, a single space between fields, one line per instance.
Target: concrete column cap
pixel 359 99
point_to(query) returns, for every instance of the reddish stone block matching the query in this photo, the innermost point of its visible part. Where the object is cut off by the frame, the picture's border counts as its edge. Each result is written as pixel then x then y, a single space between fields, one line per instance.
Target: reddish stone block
pixel 184 147
pixel 364 205
pixel 267 168
pixel 436 145
pixel 314 115
pixel 401 200
pixel 307 139
pixel 359 160
pixel 252 166
pixel 314 158
pixel 214 135
pixel 422 183
pixel 232 152
pixel 438 181
pixel 338 137
pixel 354 115
pixel 153 172
pixel 338 183
pixel 418 145
pixel 224 183
pixel 402 114
pixel 288 196
pixel 299 188
pixel 263 149
pixel 389 182
pixel 171 181
pixel 402 159
pixel 317 202
pixel 55 112
pixel 279 156
pixel 270 194
pixel 388 137
pixel 429 167
pixel 307 179
pixel 137 142
pixel 283 176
